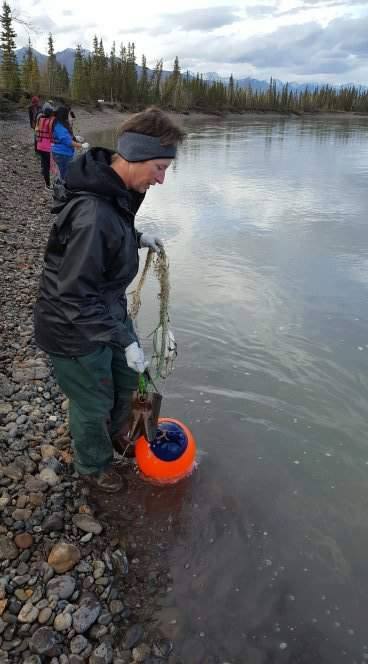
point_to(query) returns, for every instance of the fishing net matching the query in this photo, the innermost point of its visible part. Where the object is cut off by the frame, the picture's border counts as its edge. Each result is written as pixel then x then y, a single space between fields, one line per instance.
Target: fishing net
pixel 164 345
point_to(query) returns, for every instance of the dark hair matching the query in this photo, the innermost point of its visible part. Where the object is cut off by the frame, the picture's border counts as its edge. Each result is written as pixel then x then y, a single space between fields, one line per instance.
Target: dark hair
pixel 154 122
pixel 62 116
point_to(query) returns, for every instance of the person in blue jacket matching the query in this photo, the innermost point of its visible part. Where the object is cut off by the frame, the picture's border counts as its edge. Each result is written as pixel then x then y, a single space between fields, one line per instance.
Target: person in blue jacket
pixel 63 141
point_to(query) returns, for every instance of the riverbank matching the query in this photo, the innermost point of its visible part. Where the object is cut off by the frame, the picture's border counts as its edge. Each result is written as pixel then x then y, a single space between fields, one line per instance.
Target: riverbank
pixel 80 576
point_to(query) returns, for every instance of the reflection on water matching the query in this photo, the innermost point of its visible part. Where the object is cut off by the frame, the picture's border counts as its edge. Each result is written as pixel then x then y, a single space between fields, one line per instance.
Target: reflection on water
pixel 264 222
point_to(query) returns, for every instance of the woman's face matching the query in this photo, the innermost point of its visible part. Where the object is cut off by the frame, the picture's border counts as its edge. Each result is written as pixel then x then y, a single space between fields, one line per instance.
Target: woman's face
pixel 145 174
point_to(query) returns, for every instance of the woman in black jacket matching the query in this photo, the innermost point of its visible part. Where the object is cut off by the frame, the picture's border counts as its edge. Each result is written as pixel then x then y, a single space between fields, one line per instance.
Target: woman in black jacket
pixel 81 317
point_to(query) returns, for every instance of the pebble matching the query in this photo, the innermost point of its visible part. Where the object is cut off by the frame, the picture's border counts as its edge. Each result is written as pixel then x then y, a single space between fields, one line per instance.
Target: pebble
pixel 102 654
pixel 8 550
pixel 86 538
pixel 28 613
pixel 87 524
pixel 78 644
pixel 62 622
pixel 64 557
pixel 23 540
pixel 116 606
pixel 44 641
pixel 44 615
pixel 61 587
pixel 141 652
pixel 48 475
pixel 86 615
pixel 133 636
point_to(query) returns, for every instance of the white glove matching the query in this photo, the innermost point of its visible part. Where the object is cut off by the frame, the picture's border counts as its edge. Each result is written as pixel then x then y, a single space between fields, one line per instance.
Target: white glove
pixel 135 358
pixel 79 138
pixel 85 146
pixel 152 242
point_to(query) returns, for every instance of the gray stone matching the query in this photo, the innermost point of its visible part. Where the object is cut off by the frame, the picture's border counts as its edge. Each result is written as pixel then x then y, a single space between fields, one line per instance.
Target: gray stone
pixel 116 606
pixel 61 587
pixel 76 659
pixel 53 522
pixel 13 471
pixel 133 636
pixel 44 641
pixel 120 562
pixel 34 485
pixel 97 632
pixel 86 538
pixel 141 652
pixel 123 657
pixel 78 644
pixel 21 580
pixel 8 550
pixel 32 659
pixel 4 500
pixel 84 567
pixel 104 618
pixel 62 622
pixel 102 654
pixel 22 514
pixel 87 614
pixel 28 613
pixel 162 648
pixel 44 615
pixel 48 475
pixel 10 646
pixel 87 524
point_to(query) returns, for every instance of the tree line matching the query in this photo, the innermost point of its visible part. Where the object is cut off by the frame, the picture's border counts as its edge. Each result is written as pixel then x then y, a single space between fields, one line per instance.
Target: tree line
pixel 115 77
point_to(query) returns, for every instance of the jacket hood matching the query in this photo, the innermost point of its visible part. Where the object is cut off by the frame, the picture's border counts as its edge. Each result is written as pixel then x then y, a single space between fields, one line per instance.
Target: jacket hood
pixel 91 173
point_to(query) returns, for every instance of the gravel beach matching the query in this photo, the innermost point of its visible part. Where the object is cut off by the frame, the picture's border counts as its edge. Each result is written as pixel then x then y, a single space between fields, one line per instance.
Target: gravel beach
pixel 80 575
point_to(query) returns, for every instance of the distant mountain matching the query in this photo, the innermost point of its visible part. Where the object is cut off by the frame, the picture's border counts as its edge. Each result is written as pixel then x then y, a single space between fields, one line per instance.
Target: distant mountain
pixel 67 56
pixel 22 52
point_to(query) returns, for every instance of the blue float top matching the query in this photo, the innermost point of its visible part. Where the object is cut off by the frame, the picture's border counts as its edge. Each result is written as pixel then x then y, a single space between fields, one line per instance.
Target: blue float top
pixel 170 442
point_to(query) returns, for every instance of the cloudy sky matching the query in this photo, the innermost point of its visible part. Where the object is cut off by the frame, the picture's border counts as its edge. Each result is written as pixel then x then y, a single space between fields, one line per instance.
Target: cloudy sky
pixel 295 40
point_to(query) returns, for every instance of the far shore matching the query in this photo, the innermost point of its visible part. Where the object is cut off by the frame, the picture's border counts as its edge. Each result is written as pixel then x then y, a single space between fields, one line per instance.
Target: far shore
pixel 93 120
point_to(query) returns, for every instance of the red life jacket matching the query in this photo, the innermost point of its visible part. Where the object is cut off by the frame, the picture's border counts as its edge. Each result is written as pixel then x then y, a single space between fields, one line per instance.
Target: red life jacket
pixel 44 133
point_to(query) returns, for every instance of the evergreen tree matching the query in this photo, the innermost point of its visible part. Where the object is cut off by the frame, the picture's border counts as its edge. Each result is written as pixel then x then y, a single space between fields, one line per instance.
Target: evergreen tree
pixel 156 83
pixel 171 93
pixel 35 78
pixel 113 72
pixel 230 90
pixel 77 76
pixel 27 69
pixel 143 84
pixel 51 67
pixel 131 75
pixel 9 68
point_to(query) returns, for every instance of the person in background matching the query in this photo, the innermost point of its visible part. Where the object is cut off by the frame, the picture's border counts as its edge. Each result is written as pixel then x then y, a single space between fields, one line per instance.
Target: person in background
pixel 72 115
pixel 33 111
pixel 43 128
pixel 63 143
pixel 91 258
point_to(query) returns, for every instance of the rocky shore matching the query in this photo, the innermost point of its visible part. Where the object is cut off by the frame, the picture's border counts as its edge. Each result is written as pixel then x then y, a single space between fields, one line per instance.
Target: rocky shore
pixel 78 581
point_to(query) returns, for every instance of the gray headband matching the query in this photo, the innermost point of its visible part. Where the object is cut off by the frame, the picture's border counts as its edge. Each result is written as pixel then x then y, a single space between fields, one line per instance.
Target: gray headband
pixel 140 147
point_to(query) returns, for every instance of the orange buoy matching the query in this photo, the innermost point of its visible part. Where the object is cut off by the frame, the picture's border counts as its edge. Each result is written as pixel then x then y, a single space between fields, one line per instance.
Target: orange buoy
pixel 171 456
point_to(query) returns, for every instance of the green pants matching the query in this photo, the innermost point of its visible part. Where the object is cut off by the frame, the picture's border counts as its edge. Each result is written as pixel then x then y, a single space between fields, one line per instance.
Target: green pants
pixel 99 387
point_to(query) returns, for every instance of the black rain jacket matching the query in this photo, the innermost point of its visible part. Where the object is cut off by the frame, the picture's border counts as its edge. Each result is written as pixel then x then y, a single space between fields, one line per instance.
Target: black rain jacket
pixel 90 260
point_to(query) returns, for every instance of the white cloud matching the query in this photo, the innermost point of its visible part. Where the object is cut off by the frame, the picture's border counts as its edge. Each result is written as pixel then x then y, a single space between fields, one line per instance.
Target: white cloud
pixel 289 39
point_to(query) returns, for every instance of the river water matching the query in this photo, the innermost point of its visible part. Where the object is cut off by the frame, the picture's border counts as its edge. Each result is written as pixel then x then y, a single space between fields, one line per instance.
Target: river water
pixel 265 224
